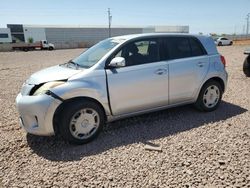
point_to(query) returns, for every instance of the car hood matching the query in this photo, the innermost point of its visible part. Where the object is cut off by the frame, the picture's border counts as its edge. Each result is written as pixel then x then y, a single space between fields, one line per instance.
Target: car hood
pixel 54 73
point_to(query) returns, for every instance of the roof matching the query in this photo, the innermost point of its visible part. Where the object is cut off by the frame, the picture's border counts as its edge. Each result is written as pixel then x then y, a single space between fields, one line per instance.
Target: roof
pixel 131 36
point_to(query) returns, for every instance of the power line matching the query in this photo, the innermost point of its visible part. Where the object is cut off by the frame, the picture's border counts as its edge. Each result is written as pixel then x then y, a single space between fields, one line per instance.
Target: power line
pixel 248 15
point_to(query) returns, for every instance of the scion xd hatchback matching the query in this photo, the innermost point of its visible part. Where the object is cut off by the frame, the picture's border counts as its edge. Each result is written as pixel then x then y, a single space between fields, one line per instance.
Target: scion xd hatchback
pixel 121 77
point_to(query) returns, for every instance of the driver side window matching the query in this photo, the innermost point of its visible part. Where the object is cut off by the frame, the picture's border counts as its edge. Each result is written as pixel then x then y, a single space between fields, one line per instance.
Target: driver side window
pixel 140 52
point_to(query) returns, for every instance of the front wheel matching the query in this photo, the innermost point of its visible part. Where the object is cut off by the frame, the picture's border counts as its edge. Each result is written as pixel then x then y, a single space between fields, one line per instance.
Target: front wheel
pixel 209 97
pixel 51 48
pixel 81 121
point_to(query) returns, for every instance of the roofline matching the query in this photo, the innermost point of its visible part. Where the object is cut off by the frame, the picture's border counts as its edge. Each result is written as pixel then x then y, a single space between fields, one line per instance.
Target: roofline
pixel 134 36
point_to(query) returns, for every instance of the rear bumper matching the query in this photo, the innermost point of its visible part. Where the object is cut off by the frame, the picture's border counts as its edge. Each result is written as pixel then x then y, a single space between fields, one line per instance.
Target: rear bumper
pixel 225 80
pixel 36 113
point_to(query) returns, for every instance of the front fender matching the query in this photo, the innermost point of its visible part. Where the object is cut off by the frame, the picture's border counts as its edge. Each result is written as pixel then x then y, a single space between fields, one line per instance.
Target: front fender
pixel 90 89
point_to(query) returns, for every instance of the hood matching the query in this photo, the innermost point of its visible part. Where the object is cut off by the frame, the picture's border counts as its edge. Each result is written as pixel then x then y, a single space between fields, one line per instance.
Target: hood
pixel 52 74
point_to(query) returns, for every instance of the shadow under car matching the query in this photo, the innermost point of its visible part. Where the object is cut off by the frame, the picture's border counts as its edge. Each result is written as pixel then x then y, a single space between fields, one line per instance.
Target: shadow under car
pixel 132 130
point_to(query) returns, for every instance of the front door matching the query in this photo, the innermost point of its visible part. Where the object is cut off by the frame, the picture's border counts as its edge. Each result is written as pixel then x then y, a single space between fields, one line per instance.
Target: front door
pixel 143 83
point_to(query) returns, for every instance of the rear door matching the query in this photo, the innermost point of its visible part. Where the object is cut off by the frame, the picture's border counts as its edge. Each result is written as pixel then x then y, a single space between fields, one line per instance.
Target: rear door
pixel 143 83
pixel 188 65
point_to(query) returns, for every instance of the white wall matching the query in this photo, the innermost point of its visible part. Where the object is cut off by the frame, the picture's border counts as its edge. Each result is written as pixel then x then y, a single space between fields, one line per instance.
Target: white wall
pixel 5 31
pixel 36 33
pixel 172 29
pixel 148 30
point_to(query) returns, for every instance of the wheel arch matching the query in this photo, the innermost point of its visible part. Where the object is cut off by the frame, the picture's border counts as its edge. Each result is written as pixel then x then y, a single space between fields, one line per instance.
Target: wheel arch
pixel 65 102
pixel 217 79
pixel 214 78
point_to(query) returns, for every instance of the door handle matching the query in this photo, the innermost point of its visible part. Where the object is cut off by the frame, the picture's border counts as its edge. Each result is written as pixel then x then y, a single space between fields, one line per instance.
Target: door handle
pixel 160 71
pixel 200 64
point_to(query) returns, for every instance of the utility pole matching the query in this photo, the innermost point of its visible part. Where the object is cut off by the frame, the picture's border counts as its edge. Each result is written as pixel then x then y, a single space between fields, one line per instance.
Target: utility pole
pixel 110 19
pixel 248 15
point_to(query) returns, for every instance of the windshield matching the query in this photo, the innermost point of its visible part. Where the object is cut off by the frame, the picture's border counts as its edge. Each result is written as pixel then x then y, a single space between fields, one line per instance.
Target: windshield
pixel 91 56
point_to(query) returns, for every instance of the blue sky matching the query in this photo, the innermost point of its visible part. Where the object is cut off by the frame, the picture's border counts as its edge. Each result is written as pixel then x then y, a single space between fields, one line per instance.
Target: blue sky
pixel 219 16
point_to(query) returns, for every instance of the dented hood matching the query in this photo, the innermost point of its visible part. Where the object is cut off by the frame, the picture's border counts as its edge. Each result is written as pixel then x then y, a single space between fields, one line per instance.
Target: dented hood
pixel 54 73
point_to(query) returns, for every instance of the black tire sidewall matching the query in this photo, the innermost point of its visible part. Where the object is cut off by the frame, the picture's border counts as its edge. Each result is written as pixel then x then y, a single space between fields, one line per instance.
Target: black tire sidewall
pixel 69 110
pixel 246 67
pixel 200 104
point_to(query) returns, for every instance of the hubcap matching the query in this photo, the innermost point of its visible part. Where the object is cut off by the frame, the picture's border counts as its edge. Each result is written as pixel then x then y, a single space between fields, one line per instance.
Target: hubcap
pixel 84 123
pixel 211 96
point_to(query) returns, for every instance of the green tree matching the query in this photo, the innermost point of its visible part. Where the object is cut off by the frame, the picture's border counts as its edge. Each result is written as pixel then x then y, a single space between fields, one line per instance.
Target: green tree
pixel 30 40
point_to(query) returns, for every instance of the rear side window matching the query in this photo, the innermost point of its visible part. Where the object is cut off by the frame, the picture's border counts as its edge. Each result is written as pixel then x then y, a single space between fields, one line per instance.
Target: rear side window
pixel 178 47
pixel 196 47
pixel 181 47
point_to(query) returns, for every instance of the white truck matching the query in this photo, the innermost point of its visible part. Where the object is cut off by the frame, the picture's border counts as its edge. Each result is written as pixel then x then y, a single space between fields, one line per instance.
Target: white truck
pixel 42 45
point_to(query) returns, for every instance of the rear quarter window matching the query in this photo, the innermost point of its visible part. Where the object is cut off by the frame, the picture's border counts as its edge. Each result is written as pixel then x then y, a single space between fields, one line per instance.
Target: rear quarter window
pixel 196 47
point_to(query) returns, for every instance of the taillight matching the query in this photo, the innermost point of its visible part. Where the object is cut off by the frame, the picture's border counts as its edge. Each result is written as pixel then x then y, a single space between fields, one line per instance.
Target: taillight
pixel 223 60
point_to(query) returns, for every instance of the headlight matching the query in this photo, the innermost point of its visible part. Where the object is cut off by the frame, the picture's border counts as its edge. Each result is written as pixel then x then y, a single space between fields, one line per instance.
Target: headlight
pixel 45 87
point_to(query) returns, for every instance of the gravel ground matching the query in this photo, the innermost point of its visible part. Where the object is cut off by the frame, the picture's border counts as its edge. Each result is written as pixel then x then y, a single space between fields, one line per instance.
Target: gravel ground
pixel 198 149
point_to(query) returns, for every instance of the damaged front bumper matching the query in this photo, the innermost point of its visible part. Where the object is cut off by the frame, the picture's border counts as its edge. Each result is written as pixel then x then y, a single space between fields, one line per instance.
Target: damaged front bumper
pixel 36 113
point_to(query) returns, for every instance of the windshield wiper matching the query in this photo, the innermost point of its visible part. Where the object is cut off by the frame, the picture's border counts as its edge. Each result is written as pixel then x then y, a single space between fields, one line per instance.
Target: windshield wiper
pixel 73 63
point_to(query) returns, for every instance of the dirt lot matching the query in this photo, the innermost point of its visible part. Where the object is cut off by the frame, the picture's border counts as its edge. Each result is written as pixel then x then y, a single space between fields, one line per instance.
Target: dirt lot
pixel 198 149
pixel 242 42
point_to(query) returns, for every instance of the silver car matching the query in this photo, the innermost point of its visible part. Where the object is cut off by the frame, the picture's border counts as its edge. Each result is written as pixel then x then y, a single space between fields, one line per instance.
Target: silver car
pixel 121 77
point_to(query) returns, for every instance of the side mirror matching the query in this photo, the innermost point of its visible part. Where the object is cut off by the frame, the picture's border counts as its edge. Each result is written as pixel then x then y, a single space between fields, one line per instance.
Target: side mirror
pixel 117 62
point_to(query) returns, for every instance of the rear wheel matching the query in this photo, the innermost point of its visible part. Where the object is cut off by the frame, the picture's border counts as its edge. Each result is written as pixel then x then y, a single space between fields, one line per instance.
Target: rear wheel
pixel 231 43
pixel 209 97
pixel 81 121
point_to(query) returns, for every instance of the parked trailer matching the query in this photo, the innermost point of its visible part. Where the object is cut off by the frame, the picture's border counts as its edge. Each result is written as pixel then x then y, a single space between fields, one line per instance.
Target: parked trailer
pixel 42 45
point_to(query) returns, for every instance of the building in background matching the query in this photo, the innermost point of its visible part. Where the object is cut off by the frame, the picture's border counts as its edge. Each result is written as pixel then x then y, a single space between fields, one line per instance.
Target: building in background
pixel 5 35
pixel 16 32
pixel 80 36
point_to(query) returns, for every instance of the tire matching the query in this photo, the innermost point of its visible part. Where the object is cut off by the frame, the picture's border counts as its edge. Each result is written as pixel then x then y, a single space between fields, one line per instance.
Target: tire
pixel 220 44
pixel 231 43
pixel 85 129
pixel 209 97
pixel 246 66
pixel 51 48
